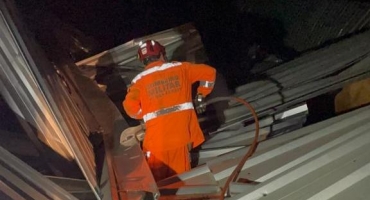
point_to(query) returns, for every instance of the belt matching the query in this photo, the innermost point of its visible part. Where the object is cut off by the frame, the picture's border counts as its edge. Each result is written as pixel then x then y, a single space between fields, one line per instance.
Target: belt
pixel 164 111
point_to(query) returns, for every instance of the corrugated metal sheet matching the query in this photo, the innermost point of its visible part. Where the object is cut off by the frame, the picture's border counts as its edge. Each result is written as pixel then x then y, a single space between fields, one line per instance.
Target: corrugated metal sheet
pixel 310 23
pixel 64 107
pixel 285 87
pixel 327 160
pixel 283 166
pixel 308 76
pixel 34 91
pixel 19 181
pixel 182 43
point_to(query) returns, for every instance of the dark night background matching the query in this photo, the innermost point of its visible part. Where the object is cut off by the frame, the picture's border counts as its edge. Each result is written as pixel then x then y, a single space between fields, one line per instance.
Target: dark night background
pixel 226 27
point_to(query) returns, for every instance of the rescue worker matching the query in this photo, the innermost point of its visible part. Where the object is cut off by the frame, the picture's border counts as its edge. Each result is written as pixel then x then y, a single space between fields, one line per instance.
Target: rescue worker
pixel 161 96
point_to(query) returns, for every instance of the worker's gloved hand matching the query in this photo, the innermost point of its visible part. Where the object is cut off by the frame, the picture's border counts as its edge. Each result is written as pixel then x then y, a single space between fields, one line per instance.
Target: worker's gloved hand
pixel 200 104
pixel 140 134
pixel 132 135
pixel 142 123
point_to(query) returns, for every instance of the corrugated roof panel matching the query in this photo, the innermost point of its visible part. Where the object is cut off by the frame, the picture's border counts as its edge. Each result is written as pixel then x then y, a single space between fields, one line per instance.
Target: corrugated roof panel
pixel 327 160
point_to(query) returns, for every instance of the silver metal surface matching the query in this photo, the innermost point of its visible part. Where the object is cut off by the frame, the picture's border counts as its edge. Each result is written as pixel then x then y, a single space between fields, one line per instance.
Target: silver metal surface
pixel 243 135
pixel 302 154
pixel 349 150
pixel 77 187
pixel 327 160
pixel 16 176
pixel 64 107
pixel 198 181
pixel 324 161
pixel 311 138
pixel 281 174
pixel 35 92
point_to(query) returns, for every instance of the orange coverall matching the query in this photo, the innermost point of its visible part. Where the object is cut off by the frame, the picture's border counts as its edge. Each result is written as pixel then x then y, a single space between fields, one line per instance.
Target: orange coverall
pixel 161 95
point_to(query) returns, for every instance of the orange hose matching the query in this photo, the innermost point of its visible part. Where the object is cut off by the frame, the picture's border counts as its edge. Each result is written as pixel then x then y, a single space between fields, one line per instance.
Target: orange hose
pixel 234 175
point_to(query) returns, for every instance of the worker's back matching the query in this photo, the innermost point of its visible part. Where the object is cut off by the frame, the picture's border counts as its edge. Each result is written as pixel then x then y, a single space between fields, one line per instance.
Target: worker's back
pixel 166 103
pixel 168 86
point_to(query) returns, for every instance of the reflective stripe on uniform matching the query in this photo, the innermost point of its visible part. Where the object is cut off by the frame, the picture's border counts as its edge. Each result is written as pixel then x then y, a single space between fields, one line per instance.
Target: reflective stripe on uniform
pixel 164 111
pixel 137 114
pixel 155 69
pixel 207 84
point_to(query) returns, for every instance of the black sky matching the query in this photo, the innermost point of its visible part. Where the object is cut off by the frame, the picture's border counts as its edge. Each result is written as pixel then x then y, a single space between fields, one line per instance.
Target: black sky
pixel 113 22
pixel 226 30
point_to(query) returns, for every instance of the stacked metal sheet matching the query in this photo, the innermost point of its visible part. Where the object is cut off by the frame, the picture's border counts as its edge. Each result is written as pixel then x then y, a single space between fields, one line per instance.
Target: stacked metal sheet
pixel 283 88
pixel 306 77
pixel 240 135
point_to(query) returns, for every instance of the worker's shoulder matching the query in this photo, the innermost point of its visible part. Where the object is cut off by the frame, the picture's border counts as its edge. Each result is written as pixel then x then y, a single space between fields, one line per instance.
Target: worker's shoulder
pixel 186 63
pixel 171 64
pixel 196 64
pixel 155 69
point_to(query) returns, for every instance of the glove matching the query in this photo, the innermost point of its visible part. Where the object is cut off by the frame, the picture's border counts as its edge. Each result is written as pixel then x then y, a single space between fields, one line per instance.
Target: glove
pixel 140 134
pixel 200 105
pixel 132 135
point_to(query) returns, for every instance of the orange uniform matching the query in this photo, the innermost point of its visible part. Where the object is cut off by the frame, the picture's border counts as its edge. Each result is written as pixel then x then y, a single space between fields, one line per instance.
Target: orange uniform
pixel 161 95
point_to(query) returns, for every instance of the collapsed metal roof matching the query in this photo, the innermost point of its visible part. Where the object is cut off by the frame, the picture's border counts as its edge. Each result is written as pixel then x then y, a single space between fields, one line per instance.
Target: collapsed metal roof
pixel 327 160
pixel 278 97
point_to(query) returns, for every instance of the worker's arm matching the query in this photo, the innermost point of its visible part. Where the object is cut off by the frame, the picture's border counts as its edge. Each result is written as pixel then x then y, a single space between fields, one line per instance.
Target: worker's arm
pixel 205 74
pixel 132 104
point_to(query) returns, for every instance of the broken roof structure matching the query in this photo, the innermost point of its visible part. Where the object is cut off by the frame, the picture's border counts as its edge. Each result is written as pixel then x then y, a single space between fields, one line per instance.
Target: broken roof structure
pixel 327 160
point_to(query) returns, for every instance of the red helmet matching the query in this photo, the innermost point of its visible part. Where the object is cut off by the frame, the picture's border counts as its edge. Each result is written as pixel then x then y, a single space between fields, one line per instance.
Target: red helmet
pixel 150 48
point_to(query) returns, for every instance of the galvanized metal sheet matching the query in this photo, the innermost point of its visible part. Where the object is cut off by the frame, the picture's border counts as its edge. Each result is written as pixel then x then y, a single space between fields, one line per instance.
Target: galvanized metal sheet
pixel 35 92
pixel 17 176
